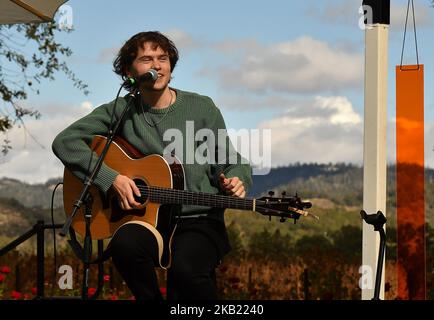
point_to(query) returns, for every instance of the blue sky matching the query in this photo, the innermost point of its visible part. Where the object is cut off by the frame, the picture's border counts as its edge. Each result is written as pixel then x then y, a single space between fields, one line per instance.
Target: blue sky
pixel 295 67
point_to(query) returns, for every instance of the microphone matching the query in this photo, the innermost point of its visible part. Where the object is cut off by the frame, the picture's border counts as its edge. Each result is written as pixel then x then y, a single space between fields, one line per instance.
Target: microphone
pixel 150 75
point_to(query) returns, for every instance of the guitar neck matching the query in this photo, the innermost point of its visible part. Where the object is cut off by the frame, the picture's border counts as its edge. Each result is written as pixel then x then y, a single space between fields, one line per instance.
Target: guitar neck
pixel 173 196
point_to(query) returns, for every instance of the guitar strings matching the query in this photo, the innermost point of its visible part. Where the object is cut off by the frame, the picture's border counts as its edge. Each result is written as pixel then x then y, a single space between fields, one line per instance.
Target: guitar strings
pixel 183 196
pixel 195 197
pixel 177 194
pixel 214 200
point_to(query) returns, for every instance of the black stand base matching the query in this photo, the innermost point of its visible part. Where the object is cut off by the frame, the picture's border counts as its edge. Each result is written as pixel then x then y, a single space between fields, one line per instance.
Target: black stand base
pixel 377 220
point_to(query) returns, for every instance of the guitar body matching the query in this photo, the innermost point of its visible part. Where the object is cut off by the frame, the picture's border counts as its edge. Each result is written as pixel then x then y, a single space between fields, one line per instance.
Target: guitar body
pixel 107 216
pixel 161 184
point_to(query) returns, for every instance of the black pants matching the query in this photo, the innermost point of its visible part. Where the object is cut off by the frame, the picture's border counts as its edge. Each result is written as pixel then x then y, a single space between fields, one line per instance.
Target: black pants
pixel 195 256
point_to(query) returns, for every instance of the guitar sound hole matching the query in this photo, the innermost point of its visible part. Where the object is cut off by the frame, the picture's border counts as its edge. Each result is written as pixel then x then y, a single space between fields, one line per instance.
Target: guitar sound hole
pixel 117 213
pixel 143 191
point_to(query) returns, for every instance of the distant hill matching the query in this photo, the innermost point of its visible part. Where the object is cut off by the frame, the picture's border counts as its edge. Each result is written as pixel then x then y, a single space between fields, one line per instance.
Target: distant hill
pixel 297 177
pixel 284 175
pixel 23 204
pixel 334 189
pixel 31 195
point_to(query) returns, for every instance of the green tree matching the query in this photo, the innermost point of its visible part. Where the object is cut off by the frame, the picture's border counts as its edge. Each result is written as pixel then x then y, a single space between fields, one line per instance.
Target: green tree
pixel 259 244
pixel 348 242
pixel 268 245
pixel 29 53
pixel 237 249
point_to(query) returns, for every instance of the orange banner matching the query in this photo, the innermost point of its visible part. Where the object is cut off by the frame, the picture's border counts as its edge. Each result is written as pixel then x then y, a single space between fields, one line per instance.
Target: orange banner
pixel 410 182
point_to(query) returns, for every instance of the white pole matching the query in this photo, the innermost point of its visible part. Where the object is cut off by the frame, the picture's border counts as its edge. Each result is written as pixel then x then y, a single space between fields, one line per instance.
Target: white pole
pixel 374 146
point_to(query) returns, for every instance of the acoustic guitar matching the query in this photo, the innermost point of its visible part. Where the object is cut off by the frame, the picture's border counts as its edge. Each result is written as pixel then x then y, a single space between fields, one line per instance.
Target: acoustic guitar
pixel 161 184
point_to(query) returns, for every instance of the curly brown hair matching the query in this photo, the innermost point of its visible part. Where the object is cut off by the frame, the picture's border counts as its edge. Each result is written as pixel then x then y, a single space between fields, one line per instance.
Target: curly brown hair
pixel 128 52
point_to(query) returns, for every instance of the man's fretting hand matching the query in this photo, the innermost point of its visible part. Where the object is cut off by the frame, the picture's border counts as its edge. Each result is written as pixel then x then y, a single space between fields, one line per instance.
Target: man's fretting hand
pixel 232 186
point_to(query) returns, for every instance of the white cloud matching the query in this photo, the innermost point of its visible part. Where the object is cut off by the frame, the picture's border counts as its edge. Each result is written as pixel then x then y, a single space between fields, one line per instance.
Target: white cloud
pixel 305 65
pixel 429 145
pixel 422 12
pixel 344 12
pixel 108 55
pixel 32 161
pixel 343 112
pixel 182 40
pixel 245 102
pixel 329 131
pixel 231 46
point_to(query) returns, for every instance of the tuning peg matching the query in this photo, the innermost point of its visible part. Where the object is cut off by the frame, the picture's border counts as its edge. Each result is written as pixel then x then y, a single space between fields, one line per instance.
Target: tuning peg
pixel 271 193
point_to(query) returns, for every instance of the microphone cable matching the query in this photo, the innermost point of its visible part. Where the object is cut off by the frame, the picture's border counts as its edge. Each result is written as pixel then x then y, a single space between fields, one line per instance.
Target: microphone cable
pixel 53 280
pixel 114 111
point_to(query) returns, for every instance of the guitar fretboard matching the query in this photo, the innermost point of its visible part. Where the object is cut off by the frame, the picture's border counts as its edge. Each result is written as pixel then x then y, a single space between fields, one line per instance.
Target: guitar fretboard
pixel 173 196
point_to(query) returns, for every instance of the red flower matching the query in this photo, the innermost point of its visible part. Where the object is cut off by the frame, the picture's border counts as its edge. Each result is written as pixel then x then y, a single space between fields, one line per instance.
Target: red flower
pixel 91 291
pixel 106 278
pixel 114 297
pixel 387 286
pixel 234 279
pixel 132 298
pixel 26 296
pixel 223 269
pixel 2 278
pixel 163 290
pixel 253 291
pixel 15 295
pixel 34 291
pixel 5 269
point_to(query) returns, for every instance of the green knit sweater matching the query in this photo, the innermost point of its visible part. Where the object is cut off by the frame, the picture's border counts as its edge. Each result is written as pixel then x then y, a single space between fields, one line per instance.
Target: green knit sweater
pixel 71 145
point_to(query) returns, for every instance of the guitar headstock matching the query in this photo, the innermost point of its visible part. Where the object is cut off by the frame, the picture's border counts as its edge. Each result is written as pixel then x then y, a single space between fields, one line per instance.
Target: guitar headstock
pixel 284 207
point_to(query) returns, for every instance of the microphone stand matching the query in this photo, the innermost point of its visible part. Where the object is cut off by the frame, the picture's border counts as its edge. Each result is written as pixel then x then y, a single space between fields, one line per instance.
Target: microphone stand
pixel 86 198
pixel 377 220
